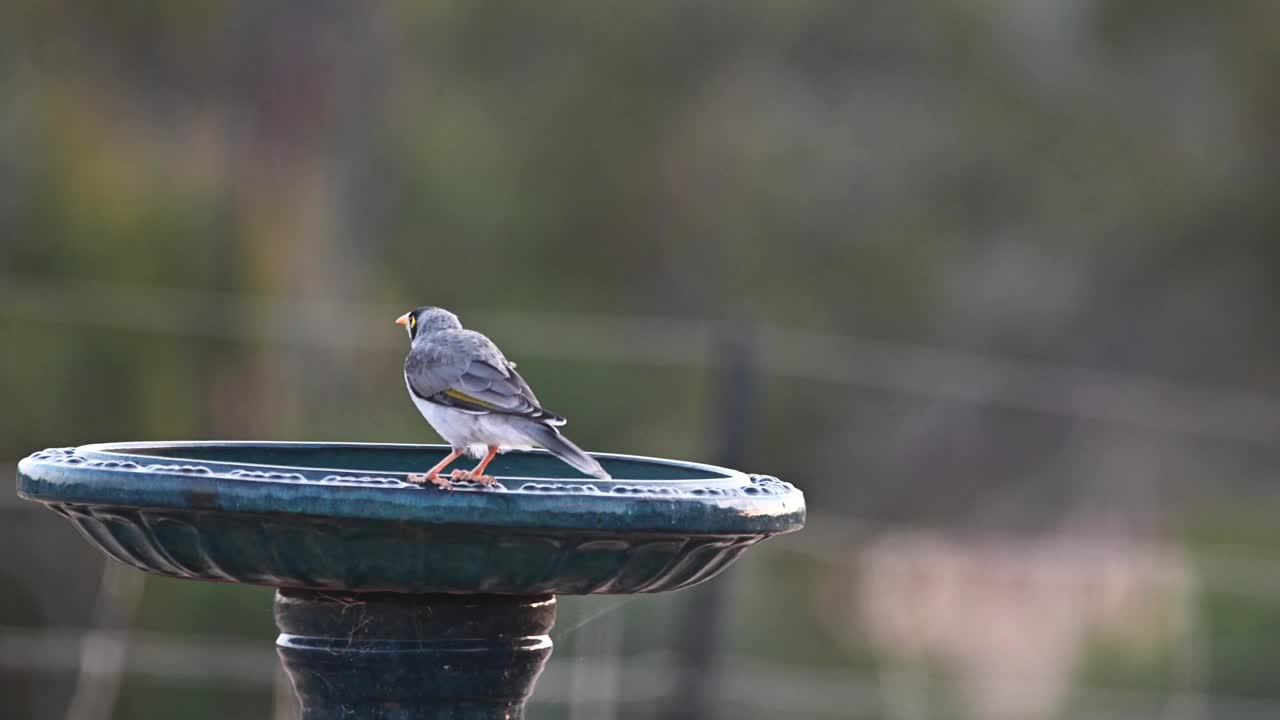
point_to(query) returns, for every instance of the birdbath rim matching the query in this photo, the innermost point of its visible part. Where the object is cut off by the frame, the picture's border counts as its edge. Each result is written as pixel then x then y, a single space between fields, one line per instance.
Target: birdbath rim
pixel 342 516
pixel 697 470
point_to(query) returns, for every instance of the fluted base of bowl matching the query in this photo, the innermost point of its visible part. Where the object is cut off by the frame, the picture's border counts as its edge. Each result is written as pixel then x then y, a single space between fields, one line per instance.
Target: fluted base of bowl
pixel 387 656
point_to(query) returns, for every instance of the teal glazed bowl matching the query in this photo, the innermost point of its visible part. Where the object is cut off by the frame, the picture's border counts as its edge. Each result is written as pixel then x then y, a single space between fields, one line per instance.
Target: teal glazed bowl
pixel 341 516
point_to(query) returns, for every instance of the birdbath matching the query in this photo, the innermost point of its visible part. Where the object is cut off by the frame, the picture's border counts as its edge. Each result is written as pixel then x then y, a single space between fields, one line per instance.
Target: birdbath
pixel 397 601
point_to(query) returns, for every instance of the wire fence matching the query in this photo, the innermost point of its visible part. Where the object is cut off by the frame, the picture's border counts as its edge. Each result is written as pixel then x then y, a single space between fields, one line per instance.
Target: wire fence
pixel 779 689
pixel 583 681
pixel 590 683
pixel 1241 416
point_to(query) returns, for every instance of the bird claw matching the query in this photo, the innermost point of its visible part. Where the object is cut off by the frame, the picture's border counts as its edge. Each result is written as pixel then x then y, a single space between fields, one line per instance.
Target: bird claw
pixel 472 476
pixel 433 478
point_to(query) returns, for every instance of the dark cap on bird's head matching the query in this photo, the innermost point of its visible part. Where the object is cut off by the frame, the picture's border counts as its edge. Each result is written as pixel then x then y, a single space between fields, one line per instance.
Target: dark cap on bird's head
pixel 428 319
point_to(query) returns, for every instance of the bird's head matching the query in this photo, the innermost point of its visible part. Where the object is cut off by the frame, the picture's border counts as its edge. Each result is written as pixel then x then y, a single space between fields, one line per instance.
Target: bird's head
pixel 424 320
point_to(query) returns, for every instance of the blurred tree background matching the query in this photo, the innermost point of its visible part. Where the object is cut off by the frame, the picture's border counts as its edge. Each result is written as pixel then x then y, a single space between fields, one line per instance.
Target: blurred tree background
pixel 1006 273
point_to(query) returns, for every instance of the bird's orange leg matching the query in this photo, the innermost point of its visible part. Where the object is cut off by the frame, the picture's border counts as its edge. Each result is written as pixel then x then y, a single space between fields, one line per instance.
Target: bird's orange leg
pixel 477 473
pixel 433 475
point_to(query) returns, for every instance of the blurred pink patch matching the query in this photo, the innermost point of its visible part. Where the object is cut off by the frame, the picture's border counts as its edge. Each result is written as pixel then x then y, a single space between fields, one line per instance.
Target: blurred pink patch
pixel 1007 619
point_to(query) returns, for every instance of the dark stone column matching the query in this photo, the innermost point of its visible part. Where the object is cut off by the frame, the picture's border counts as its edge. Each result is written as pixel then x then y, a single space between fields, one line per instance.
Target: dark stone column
pixel 386 656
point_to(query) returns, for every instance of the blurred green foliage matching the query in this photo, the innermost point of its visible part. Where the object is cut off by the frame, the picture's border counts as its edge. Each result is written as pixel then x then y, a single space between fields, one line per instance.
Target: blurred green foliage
pixel 202 204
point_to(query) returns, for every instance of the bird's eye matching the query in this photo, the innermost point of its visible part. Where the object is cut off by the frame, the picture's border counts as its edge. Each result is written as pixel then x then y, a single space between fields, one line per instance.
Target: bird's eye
pixel 413 321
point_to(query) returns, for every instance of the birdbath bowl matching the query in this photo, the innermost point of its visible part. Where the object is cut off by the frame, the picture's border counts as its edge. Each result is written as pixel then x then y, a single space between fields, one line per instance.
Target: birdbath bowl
pixel 395 600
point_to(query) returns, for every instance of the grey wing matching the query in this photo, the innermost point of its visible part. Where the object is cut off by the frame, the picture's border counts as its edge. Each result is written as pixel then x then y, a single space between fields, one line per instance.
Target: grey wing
pixel 500 388
pixel 473 377
pixel 429 372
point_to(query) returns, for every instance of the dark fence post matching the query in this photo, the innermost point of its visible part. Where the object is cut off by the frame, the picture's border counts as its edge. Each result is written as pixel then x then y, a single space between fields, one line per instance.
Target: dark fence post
pixel 701 624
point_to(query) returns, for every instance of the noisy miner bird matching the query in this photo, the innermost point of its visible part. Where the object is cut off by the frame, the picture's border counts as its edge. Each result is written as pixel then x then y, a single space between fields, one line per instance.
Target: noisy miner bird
pixel 474 398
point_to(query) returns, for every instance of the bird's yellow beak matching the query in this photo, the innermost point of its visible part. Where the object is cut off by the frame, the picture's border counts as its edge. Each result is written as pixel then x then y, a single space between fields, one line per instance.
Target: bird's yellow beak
pixel 403 320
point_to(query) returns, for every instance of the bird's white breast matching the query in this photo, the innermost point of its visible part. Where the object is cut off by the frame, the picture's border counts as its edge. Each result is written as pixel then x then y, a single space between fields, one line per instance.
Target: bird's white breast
pixel 475 432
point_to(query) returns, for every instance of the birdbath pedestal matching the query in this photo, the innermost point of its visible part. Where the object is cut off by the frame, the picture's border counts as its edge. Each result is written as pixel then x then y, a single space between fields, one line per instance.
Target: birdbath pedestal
pixel 397 601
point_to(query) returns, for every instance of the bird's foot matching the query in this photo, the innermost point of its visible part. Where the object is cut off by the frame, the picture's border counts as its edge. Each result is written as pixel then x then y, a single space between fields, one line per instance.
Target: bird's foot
pixel 432 478
pixel 472 476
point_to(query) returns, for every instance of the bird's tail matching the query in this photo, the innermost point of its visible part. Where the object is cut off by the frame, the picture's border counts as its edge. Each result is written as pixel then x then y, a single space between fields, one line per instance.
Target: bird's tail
pixel 560 446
